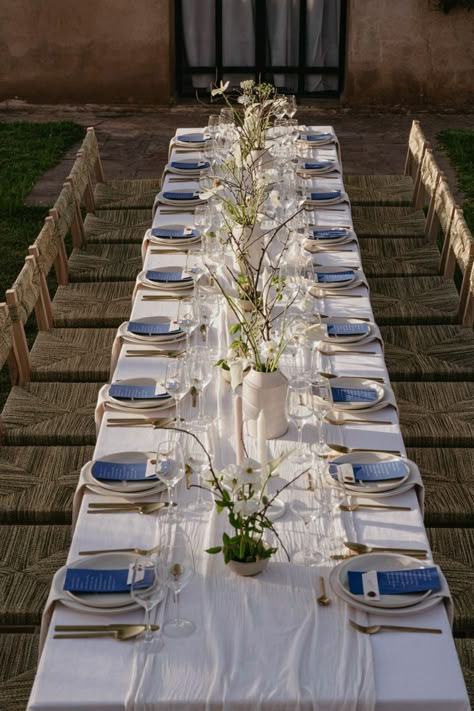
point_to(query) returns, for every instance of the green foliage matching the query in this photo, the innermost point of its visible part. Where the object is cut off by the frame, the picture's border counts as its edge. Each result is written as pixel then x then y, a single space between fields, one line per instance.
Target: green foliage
pixel 459 144
pixel 447 5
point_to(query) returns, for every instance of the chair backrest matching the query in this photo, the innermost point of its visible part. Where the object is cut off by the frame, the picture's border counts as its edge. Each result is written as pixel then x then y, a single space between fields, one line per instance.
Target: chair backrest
pixel 7 351
pixel 460 253
pixel 428 179
pixel 90 149
pixel 80 180
pixel 468 315
pixel 66 212
pixel 49 249
pixel 440 215
pixel 417 145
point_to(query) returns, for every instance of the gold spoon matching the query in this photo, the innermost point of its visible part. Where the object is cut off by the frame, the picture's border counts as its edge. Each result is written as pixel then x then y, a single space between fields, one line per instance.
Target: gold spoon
pixel 349 450
pixel 323 599
pixel 373 629
pixel 138 551
pixel 121 634
pixel 361 548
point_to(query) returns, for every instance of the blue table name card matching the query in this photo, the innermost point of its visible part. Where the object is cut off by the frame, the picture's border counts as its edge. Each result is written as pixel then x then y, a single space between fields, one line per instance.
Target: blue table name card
pixel 83 580
pixel 347 329
pixel 353 394
pixel 168 277
pixel 123 471
pixel 398 582
pixel 185 233
pixel 333 277
pixel 330 234
pixel 376 471
pixel 190 165
pixel 152 329
pixel 137 392
pixel 316 137
pixel 188 195
pixel 328 195
pixel 318 166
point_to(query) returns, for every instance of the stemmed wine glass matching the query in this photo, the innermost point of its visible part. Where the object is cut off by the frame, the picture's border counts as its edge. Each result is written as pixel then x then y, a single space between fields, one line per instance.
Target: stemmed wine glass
pixel 299 409
pixel 209 302
pixel 169 468
pixel 291 107
pixel 303 506
pixel 200 370
pixel 322 404
pixel 177 382
pixel 188 318
pixel 202 217
pixel 197 461
pixel 147 589
pixel 178 568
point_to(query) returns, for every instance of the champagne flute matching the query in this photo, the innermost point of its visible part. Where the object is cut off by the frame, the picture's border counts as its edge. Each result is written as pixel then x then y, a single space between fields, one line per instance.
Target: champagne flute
pixel 169 467
pixel 200 370
pixel 299 409
pixel 197 449
pixel 178 565
pixel 147 589
pixel 177 382
pixel 188 318
pixel 322 404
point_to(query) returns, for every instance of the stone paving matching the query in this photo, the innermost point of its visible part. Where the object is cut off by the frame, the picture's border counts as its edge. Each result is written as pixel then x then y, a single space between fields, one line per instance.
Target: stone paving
pixel 134 140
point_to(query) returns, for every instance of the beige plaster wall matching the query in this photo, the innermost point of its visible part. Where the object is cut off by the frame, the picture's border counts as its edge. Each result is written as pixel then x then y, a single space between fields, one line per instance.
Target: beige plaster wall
pixel 91 51
pixel 408 52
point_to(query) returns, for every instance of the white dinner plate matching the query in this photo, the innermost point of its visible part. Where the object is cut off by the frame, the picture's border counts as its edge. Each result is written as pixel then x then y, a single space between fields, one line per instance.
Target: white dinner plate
pixel 359 384
pixel 358 338
pixel 139 404
pixel 152 340
pixel 102 601
pixel 189 140
pixel 174 241
pixel 179 202
pixel 192 172
pixel 349 282
pixel 365 487
pixel 124 488
pixel 326 243
pixel 162 285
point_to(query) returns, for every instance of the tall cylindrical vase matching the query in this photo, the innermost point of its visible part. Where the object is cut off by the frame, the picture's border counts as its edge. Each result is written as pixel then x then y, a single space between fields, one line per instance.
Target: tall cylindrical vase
pixel 265 392
pixel 251 244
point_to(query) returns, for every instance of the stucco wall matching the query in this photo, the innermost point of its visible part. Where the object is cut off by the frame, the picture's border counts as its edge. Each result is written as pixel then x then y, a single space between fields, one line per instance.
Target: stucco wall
pixel 407 51
pixel 86 50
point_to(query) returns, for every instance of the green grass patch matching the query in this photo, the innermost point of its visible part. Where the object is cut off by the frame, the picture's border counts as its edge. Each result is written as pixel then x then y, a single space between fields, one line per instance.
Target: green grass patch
pixel 459 145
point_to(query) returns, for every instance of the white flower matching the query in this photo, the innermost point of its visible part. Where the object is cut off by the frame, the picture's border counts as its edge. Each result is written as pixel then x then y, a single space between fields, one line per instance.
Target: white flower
pixel 274 198
pixel 229 476
pixel 247 84
pixel 244 99
pixel 246 507
pixel 268 349
pixel 220 89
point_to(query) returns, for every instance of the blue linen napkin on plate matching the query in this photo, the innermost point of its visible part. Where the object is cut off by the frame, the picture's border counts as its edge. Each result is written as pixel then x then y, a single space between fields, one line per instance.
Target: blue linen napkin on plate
pixel 330 234
pixel 353 394
pixel 190 165
pixel 347 329
pixel 315 136
pixel 174 234
pixel 318 165
pixel 189 195
pixel 334 277
pixel 328 195
pixel 84 580
pixel 152 329
pixel 121 471
pixel 398 582
pixel 167 277
pixel 192 138
pixel 373 471
pixel 136 392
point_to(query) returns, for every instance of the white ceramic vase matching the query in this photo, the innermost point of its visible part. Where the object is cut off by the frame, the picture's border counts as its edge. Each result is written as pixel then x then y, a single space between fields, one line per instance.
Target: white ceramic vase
pixel 251 242
pixel 265 392
pixel 248 569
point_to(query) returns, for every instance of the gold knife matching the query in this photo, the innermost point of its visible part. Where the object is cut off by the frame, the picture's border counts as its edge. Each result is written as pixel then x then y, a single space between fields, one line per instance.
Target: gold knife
pixel 100 628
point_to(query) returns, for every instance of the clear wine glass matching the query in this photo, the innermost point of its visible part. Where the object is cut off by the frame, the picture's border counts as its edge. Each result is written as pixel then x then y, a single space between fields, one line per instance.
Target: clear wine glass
pixel 177 382
pixel 209 303
pixel 212 128
pixel 202 218
pixel 322 405
pixel 188 318
pixel 147 589
pixel 169 468
pixel 200 369
pixel 303 506
pixel 291 106
pixel 197 461
pixel 299 409
pixel 178 565
pixel 194 265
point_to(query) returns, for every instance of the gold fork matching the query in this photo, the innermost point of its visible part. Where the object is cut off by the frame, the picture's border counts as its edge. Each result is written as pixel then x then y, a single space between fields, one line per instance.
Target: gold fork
pixel 138 551
pixel 129 422
pixel 339 423
pixel 373 629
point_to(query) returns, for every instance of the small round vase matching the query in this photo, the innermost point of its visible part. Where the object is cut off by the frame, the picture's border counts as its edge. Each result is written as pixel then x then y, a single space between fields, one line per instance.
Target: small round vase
pixel 248 569
pixel 265 392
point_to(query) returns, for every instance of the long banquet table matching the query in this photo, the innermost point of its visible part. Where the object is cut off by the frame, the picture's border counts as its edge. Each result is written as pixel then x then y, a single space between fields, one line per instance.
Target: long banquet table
pixel 260 643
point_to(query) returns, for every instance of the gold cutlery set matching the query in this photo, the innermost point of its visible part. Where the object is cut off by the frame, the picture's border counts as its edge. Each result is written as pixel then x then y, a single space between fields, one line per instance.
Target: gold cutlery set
pixel 123 632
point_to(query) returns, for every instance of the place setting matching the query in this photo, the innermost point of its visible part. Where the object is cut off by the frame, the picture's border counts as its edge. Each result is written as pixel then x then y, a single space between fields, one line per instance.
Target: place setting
pixel 325 237
pixel 324 196
pixel 337 281
pixel 339 330
pixel 138 397
pixel 169 277
pixel 186 166
pixel 195 140
pixel 172 236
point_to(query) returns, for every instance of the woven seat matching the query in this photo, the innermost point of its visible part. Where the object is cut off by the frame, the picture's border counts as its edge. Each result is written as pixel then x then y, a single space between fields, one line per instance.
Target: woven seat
pixel 388 221
pixel 394 190
pixel 465 650
pixel 436 414
pixel 101 304
pixel 126 194
pixel 50 414
pixel 18 660
pixel 30 556
pixel 38 483
pixel 117 226
pixel 453 551
pixel 108 262
pixel 399 258
pixel 429 352
pixel 448 477
pixel 414 300
pixel 72 354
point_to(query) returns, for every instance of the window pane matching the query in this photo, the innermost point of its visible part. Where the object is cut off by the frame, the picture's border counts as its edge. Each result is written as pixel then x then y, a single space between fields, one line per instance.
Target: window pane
pixel 238 33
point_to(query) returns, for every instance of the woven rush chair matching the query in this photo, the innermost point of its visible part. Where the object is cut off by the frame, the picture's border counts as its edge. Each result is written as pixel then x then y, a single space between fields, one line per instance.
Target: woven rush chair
pixel 30 556
pixel 18 660
pixel 465 650
pixel 118 194
pixel 394 190
pixel 58 354
pixel 448 477
pixel 453 551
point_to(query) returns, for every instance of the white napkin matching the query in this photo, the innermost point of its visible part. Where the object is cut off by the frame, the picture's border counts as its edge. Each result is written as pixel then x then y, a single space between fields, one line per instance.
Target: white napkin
pixel 104 405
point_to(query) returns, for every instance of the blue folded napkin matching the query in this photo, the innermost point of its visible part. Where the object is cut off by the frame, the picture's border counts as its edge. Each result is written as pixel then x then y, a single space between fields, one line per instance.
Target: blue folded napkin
pixel 398 582
pixel 329 195
pixel 319 165
pixel 373 471
pixel 347 329
pixel 316 136
pixel 190 165
pixel 174 234
pixel 189 195
pixel 330 234
pixel 83 580
pixel 353 394
pixel 167 277
pixel 192 138
pixel 136 392
pixel 152 329
pixel 334 277
pixel 121 471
